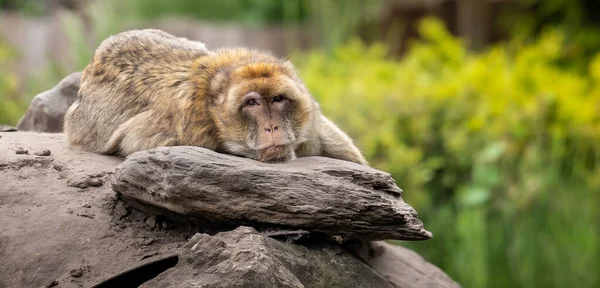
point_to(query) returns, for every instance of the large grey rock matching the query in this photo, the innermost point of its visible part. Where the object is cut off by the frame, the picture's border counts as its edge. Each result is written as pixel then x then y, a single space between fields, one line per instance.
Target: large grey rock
pixel 244 258
pixel 402 267
pixel 47 110
pixel 49 227
pixel 61 226
pixel 318 194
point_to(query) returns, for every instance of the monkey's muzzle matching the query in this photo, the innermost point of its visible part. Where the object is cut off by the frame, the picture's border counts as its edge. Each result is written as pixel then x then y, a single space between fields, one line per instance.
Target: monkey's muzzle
pixel 276 154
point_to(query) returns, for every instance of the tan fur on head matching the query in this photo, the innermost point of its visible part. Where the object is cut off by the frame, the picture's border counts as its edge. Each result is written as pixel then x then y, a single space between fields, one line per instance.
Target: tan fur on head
pixel 146 88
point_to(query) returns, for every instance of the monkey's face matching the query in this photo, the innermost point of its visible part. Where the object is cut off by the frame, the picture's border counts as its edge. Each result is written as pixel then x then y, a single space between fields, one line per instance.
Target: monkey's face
pixel 270 114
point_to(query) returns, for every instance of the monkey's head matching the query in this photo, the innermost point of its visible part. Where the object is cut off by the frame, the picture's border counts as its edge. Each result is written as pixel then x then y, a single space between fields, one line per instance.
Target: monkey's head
pixel 263 111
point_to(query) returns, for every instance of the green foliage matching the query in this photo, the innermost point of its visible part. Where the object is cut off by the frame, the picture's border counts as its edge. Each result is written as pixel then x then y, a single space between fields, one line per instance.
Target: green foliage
pixel 578 20
pixel 25 7
pixel 105 18
pixel 497 151
pixel 246 11
pixel 11 106
pixel 100 19
pixel 330 22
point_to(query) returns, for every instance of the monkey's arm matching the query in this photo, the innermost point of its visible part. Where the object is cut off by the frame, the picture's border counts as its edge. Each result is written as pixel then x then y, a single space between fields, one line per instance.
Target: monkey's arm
pixel 144 131
pixel 336 144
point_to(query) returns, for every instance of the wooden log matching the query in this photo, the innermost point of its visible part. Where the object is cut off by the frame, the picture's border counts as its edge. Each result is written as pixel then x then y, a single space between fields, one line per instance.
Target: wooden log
pixel 318 194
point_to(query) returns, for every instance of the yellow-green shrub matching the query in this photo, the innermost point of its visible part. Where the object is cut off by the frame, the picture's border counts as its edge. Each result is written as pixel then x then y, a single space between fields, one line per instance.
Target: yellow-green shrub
pixel 11 107
pixel 498 151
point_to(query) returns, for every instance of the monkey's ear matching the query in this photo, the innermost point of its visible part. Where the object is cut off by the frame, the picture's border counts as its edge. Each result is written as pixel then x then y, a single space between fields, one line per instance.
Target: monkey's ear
pixel 289 65
pixel 219 82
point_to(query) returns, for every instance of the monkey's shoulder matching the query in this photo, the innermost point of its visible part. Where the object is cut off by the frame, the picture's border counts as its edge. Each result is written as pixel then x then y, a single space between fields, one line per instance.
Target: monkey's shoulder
pixel 148 45
pixel 142 57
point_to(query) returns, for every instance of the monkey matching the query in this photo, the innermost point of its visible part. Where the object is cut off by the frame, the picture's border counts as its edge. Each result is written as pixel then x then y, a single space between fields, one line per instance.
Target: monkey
pixel 146 88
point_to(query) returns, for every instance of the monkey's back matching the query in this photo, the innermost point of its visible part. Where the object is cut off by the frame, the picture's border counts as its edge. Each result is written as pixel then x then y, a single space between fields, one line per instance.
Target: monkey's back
pixel 131 73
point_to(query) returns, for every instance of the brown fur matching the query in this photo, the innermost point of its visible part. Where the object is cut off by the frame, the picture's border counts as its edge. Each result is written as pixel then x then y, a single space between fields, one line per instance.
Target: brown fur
pixel 146 88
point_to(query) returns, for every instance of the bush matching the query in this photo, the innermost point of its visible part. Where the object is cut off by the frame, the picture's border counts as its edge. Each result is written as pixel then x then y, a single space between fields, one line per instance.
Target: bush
pixel 497 151
pixel 11 106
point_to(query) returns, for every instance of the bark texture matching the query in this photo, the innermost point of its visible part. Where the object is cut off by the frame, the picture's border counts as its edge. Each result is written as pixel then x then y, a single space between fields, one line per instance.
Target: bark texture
pixel 318 194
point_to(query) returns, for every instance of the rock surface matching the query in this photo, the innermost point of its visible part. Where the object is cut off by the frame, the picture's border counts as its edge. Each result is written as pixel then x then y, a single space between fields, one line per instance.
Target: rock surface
pixel 47 109
pixel 53 234
pixel 6 128
pixel 318 194
pixel 48 228
pixel 402 267
pixel 244 258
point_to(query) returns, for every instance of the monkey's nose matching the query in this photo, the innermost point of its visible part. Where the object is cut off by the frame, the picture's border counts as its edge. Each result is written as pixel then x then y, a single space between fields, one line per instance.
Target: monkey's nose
pixel 271 129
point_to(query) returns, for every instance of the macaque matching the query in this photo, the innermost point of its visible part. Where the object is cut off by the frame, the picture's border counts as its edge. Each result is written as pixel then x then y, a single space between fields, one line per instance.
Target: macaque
pixel 147 88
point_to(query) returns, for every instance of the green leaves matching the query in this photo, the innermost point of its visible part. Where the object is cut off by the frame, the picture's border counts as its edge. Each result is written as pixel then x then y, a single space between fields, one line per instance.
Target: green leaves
pixel 472 196
pixel 11 107
pixel 481 144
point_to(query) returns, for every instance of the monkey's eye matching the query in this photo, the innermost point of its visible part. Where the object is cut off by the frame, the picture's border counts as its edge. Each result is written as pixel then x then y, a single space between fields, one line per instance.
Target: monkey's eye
pixel 251 102
pixel 278 98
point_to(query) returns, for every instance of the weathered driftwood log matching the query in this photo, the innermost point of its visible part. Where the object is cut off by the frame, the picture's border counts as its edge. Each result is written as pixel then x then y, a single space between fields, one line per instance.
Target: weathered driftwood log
pixel 61 226
pixel 325 195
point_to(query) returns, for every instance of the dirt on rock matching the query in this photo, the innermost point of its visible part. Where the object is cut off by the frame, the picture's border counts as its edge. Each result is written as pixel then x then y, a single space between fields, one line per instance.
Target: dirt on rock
pixel 53 234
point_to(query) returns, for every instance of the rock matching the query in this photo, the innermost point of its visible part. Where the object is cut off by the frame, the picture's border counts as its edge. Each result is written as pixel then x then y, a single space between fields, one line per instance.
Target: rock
pixel 76 272
pixel 317 194
pixel 47 109
pixel 83 181
pixel 245 258
pixel 402 267
pixel 95 182
pixel 120 211
pixel 151 222
pixel 165 225
pixel 45 152
pixel 41 242
pixel 87 215
pixel 21 151
pixel 148 242
pixel 52 284
pixel 6 128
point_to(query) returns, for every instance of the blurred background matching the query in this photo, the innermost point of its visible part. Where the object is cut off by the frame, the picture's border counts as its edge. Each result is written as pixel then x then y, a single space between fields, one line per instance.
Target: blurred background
pixel 486 112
